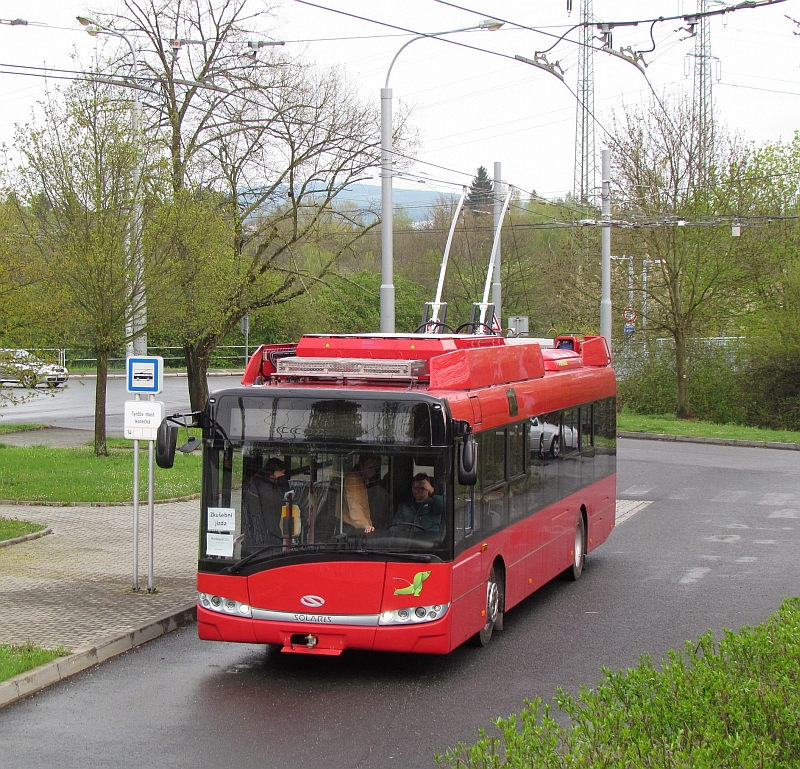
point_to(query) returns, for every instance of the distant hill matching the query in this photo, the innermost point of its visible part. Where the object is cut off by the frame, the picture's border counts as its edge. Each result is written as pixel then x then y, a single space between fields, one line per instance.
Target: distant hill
pixel 416 203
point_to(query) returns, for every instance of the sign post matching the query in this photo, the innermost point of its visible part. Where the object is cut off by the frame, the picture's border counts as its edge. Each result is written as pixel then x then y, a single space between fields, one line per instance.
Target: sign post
pixel 145 375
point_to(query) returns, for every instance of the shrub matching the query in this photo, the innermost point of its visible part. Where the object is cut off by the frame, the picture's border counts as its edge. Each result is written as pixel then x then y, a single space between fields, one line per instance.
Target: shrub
pixel 648 382
pixel 729 704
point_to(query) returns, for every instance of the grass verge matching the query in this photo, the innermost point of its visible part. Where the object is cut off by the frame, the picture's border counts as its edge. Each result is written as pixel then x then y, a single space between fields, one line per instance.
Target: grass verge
pixel 731 704
pixel 21 428
pixel 18 659
pixel 43 474
pixel 668 425
pixel 11 528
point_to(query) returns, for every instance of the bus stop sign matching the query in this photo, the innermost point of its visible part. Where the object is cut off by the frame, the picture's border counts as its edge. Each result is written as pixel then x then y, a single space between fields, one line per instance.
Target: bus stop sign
pixel 145 374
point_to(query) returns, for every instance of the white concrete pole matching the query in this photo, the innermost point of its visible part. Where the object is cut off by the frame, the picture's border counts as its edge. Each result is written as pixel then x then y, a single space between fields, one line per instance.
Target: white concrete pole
pixel 605 263
pixel 387 222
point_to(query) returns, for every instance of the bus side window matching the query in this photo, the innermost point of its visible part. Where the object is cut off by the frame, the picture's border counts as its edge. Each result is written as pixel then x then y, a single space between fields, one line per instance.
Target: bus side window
pixel 605 436
pixel 492 478
pixel 466 521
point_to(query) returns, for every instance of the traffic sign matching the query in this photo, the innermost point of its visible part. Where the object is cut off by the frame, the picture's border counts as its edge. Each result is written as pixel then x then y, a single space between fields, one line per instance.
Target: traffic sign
pixel 629 314
pixel 628 328
pixel 145 374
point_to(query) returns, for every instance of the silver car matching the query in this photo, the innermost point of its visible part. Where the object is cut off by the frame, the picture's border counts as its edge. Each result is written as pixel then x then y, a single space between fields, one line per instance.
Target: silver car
pixel 19 367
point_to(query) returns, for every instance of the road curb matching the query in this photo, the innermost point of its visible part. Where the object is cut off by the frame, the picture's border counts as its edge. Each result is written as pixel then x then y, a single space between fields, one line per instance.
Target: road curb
pixel 82 658
pixel 25 537
pixel 710 441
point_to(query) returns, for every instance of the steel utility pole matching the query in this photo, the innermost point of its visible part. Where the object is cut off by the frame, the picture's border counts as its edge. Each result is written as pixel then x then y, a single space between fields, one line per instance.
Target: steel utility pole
pixel 498 209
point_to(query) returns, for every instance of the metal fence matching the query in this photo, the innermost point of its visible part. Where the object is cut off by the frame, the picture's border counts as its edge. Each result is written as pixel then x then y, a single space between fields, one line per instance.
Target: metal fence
pixel 224 357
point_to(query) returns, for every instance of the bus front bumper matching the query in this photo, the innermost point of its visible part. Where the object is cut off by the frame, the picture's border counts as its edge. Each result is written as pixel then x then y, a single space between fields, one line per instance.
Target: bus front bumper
pixel 331 639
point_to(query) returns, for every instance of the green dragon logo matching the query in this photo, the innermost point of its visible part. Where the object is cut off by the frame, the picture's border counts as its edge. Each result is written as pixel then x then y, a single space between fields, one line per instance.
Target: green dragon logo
pixel 414 588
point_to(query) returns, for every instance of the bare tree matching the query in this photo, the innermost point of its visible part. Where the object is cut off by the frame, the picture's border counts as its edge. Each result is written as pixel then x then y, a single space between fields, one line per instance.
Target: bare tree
pixel 273 138
pixel 695 263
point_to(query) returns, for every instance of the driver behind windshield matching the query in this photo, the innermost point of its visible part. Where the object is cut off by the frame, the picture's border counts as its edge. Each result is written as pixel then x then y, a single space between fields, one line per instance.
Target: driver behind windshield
pixel 423 509
pixel 262 503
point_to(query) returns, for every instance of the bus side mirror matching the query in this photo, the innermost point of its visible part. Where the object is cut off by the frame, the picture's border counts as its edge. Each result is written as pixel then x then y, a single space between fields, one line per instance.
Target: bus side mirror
pixel 468 462
pixel 166 439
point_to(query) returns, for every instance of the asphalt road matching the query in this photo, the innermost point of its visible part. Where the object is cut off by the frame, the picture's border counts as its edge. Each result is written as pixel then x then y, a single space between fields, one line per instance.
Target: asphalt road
pixel 715 548
pixel 72 406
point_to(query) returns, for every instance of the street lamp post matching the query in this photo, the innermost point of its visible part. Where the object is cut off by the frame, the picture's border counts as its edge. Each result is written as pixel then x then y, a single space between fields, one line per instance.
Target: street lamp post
pixel 387 221
pixel 135 327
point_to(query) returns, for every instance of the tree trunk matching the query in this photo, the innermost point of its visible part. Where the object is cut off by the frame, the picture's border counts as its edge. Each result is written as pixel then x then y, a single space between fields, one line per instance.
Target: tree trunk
pixel 197 373
pixel 100 448
pixel 684 410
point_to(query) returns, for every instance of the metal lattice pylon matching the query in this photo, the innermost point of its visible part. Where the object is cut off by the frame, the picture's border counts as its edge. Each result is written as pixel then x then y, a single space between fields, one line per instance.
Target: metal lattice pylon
pixel 585 161
pixel 702 104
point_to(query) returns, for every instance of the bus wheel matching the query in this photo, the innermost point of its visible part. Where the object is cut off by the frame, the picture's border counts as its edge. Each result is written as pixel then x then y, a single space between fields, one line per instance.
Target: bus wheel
pixel 494 610
pixel 579 550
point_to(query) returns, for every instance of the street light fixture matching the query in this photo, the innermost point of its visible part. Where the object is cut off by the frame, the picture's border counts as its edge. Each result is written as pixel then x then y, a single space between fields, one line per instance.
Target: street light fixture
pixel 387 221
pixel 137 344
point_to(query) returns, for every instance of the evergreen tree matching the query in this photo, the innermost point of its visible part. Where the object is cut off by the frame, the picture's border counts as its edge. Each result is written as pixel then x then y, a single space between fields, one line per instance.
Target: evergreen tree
pixel 481 193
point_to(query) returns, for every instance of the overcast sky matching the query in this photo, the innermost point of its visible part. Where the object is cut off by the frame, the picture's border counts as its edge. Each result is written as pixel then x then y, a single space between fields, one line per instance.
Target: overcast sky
pixel 471 107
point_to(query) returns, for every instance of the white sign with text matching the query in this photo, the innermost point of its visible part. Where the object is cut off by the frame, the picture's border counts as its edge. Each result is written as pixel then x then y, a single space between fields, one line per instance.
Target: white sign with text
pixel 219 544
pixel 221 519
pixel 142 419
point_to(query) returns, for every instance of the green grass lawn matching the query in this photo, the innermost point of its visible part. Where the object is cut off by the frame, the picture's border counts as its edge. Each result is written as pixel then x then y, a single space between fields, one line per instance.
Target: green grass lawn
pixel 25 427
pixel 17 659
pixel 668 425
pixel 42 474
pixel 11 528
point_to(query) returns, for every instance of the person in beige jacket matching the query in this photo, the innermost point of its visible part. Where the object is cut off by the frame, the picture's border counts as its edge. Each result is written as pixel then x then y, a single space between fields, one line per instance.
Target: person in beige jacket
pixel 354 507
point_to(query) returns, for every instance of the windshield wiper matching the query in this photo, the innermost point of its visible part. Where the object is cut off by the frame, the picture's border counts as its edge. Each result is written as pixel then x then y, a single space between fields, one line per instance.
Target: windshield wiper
pixel 421 557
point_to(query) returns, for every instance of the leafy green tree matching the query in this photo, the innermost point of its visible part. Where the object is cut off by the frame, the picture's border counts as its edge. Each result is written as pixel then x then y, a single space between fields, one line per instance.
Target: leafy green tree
pixel 695 280
pixel 74 185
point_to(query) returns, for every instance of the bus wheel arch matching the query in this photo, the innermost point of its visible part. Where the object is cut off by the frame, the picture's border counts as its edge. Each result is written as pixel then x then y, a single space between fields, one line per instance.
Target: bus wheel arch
pixel 495 603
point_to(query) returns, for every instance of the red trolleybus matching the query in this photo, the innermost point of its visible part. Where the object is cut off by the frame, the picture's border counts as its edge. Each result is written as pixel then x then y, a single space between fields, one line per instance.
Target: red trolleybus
pixel 400 492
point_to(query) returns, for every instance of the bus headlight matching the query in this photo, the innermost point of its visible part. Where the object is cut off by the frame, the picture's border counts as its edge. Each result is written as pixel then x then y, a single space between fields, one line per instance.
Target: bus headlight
pixel 224 605
pixel 413 615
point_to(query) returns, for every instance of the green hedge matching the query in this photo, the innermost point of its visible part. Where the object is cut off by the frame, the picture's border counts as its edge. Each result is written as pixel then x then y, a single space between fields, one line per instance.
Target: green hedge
pixel 735 703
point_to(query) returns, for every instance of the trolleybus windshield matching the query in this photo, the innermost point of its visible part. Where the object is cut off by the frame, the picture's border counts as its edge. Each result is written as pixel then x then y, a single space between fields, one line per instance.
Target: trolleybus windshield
pixel 293 478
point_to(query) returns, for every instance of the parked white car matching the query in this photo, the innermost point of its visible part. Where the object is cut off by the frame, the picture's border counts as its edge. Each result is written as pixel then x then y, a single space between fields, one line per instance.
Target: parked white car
pixel 547 439
pixel 19 367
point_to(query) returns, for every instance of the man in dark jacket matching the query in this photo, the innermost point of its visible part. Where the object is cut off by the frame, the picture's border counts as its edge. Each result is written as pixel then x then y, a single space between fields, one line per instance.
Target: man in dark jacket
pixel 424 509
pixel 262 503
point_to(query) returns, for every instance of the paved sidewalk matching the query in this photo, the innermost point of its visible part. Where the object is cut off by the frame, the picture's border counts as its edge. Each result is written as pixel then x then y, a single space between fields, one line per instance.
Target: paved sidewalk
pixel 73 587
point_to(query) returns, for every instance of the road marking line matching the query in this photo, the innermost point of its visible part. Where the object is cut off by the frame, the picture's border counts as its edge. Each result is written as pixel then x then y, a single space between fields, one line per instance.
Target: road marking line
pixel 765 541
pixel 693 575
pixel 773 498
pixel 788 513
pixel 746 559
pixel 682 494
pixel 729 496
pixel 627 508
pixel 637 491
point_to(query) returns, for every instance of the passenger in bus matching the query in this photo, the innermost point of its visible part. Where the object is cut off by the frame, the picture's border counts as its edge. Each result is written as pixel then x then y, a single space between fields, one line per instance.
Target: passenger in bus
pixel 423 509
pixel 355 508
pixel 262 503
